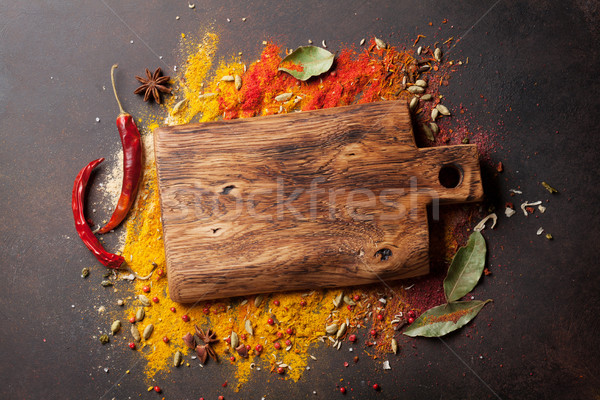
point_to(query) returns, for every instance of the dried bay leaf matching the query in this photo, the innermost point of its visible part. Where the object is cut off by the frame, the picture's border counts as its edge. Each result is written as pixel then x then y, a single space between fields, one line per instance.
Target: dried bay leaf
pixel 307 61
pixel 466 268
pixel 441 320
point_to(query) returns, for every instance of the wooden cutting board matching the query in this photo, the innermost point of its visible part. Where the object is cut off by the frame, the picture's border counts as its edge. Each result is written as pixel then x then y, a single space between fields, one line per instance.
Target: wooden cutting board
pixel 305 200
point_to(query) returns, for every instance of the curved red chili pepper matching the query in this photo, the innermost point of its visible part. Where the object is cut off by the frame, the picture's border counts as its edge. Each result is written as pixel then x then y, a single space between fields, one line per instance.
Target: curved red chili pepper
pixel 132 163
pixel 83 229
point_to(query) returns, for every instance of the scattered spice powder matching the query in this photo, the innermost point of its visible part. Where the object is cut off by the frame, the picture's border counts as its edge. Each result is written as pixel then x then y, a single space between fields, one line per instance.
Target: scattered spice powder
pixel 299 318
pixel 451 317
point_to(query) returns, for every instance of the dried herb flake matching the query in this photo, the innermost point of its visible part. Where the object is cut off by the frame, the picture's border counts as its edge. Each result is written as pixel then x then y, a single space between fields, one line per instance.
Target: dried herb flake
pixel 549 188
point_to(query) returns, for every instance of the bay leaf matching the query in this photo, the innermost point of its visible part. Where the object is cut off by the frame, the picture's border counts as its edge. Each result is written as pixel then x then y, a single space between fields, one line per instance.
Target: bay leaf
pixel 466 268
pixel 444 319
pixel 307 61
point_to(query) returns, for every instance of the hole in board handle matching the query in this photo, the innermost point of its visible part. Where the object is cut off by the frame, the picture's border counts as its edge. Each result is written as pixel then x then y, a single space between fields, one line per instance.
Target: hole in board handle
pixel 450 176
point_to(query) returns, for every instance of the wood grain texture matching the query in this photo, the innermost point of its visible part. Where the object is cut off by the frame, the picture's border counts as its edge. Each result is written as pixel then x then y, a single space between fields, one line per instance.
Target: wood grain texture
pixel 306 200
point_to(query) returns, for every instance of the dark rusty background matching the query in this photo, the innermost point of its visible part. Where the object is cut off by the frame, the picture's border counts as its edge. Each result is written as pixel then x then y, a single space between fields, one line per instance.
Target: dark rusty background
pixel 532 80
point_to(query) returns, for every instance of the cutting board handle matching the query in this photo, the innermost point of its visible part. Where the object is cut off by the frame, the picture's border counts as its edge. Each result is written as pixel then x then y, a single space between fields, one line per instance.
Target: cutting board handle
pixel 453 173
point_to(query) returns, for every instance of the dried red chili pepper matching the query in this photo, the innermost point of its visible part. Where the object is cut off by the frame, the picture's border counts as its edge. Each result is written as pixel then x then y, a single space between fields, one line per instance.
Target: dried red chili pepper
pixel 132 162
pixel 83 229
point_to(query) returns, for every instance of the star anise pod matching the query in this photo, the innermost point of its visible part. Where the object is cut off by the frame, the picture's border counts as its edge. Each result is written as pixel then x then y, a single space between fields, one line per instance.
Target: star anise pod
pixel 152 85
pixel 207 337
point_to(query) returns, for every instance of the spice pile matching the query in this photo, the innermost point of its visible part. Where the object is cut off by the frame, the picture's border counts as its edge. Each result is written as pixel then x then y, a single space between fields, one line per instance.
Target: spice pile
pixel 276 333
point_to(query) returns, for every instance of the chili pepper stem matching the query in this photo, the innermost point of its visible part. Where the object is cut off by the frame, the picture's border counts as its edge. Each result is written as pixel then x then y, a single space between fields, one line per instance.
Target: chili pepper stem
pixel 112 79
